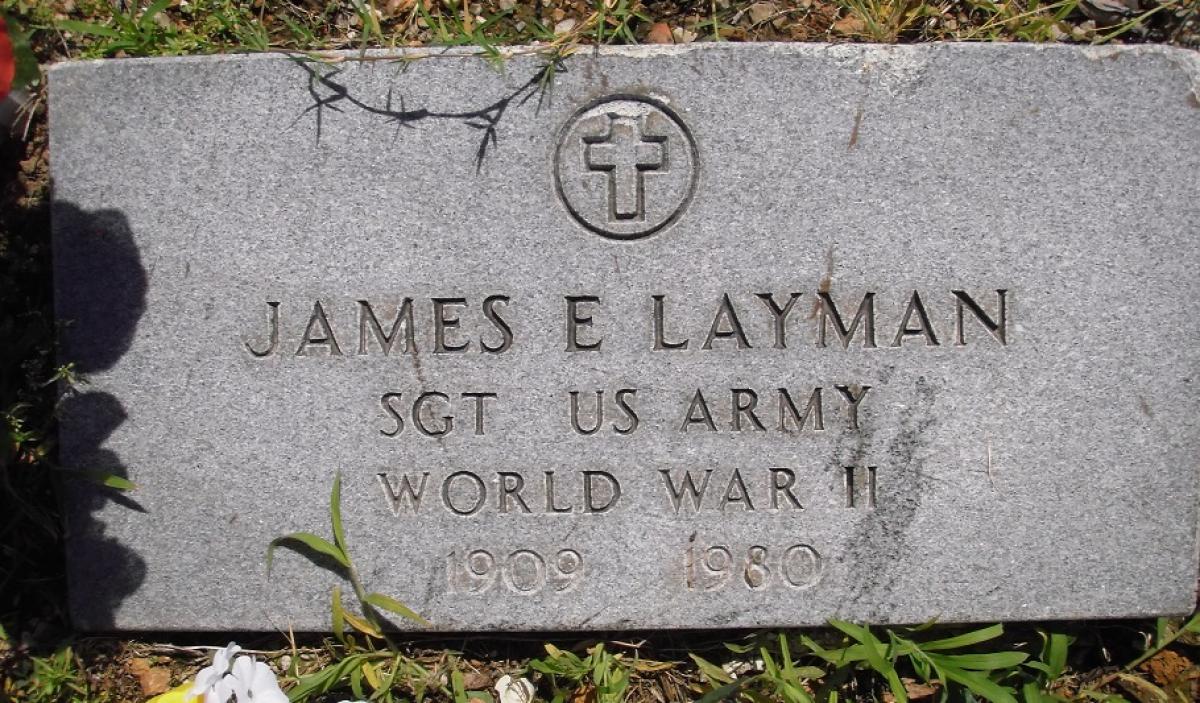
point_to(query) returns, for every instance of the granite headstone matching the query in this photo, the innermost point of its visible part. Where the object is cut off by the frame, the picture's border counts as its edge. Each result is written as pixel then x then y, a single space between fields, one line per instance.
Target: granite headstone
pixel 707 336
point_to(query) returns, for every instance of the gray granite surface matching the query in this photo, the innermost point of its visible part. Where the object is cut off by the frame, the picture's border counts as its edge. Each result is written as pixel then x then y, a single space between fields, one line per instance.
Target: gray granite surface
pixel 274 270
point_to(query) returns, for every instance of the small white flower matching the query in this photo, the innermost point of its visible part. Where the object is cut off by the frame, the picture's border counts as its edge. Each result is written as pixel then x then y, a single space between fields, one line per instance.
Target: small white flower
pixel 254 682
pixel 248 680
pixel 510 690
pixel 211 682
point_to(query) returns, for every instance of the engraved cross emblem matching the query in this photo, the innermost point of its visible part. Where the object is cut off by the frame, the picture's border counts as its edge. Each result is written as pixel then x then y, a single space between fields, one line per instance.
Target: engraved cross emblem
pixel 625 153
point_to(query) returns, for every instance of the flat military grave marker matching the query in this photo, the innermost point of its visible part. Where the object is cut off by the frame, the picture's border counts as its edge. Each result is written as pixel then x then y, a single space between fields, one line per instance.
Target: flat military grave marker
pixel 715 336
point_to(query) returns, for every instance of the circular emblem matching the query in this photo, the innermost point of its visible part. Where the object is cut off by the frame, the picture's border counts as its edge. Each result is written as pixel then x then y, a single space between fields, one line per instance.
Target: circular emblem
pixel 625 166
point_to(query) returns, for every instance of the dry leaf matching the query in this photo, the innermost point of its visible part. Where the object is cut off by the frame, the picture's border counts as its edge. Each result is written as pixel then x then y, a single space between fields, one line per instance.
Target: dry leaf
pixel 849 25
pixel 660 33
pixel 477 681
pixel 1142 690
pixel 394 7
pixel 760 12
pixel 151 679
pixel 584 694
pixel 917 690
pixel 1166 667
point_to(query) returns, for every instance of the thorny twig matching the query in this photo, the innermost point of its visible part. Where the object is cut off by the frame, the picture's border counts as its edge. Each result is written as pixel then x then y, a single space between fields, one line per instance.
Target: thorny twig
pixel 326 92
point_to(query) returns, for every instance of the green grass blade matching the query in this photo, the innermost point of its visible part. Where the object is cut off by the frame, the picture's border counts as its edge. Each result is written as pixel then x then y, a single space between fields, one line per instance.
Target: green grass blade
pixel 458 686
pixel 714 673
pixel 362 625
pixel 964 640
pixel 391 677
pixel 394 606
pixel 769 666
pixel 325 679
pixel 979 684
pixel 1192 625
pixel 310 541
pixel 337 614
pixel 102 478
pixel 1056 654
pixel 726 692
pixel 837 657
pixel 876 657
pixel 114 481
pixel 95 30
pixel 356 678
pixel 854 632
pixel 335 514
pixel 785 654
pixel 1031 692
pixel 985 662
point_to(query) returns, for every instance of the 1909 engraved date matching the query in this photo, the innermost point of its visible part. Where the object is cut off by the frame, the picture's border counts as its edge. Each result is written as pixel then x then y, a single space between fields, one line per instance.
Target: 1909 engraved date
pixel 520 571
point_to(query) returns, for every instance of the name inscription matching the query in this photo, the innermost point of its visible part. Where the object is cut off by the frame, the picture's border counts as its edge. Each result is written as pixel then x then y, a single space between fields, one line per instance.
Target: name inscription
pixel 459 325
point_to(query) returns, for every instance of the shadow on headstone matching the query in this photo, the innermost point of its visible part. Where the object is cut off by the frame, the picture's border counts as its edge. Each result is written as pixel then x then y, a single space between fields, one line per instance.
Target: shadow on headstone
pixel 328 93
pixel 100 289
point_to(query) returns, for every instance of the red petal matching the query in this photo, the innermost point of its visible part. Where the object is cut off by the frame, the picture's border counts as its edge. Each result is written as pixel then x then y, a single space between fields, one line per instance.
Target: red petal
pixel 8 63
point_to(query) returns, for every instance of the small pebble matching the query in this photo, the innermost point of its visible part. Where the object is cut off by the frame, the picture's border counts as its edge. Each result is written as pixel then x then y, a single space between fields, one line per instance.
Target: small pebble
pixel 683 36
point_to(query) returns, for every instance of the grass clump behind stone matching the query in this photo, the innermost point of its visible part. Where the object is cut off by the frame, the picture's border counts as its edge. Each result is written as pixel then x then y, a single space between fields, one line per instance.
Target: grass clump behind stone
pixel 94 28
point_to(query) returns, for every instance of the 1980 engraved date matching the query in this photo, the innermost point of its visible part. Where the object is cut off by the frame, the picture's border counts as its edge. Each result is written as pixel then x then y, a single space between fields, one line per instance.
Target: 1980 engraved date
pixel 756 567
